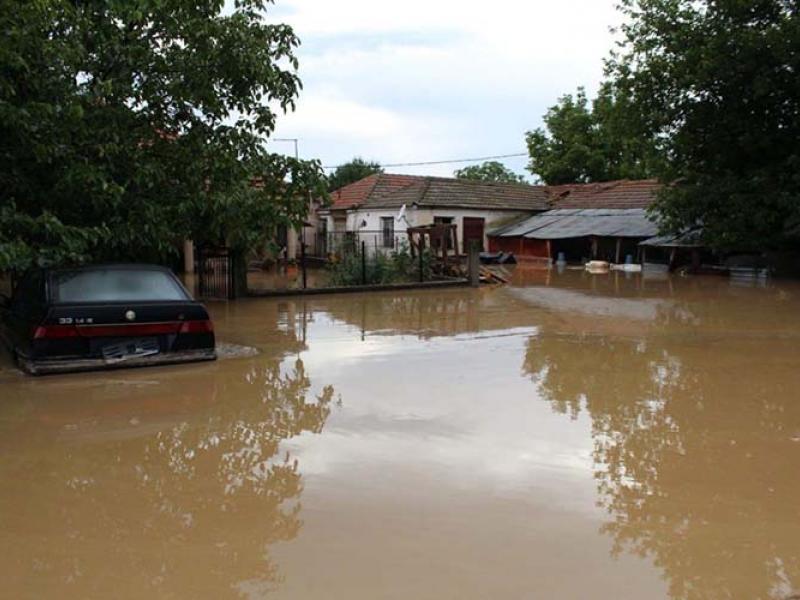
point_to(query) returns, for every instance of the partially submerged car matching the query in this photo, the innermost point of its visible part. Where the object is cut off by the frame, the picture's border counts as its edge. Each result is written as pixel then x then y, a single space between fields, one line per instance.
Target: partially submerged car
pixel 103 316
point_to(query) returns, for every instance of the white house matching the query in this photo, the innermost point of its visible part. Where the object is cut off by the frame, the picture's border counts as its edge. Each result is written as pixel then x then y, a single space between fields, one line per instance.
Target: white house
pixel 378 209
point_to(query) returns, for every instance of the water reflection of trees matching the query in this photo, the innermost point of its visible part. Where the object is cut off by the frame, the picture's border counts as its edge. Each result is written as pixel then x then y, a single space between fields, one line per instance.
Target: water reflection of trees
pixel 196 503
pixel 696 451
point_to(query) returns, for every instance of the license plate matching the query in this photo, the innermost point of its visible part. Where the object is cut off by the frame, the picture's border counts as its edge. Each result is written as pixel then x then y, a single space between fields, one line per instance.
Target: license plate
pixel 132 348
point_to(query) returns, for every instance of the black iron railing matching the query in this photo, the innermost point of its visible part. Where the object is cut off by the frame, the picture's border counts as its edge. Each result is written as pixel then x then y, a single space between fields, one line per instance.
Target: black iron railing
pixel 216 274
pixel 339 243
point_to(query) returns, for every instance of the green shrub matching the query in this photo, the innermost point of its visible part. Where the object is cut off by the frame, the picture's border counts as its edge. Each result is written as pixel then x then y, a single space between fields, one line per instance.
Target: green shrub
pixel 395 267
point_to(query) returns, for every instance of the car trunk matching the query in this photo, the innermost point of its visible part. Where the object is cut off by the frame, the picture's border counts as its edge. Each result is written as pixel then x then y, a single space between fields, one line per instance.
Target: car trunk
pixel 113 331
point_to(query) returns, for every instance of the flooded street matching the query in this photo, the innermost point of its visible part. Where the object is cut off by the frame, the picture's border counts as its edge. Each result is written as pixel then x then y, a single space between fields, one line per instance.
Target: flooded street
pixel 569 436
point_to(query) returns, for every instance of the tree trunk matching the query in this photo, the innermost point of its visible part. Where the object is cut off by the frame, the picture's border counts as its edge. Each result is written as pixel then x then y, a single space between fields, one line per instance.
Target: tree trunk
pixel 238 274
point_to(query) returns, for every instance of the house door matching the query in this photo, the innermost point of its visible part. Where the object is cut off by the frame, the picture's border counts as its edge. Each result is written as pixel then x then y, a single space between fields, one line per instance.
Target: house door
pixel 473 230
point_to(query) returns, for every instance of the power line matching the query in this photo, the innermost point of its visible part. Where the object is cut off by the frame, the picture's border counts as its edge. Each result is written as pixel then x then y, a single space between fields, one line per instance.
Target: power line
pixel 443 162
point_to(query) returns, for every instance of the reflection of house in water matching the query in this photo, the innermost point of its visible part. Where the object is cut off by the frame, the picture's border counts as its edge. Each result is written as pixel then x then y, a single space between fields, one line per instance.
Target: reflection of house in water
pixel 429 314
pixel 534 300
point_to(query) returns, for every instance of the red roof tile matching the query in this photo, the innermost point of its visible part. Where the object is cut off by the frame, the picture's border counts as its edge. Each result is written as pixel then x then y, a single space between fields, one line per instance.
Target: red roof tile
pixel 624 193
pixel 384 190
pixel 373 185
pixel 440 192
pixel 392 191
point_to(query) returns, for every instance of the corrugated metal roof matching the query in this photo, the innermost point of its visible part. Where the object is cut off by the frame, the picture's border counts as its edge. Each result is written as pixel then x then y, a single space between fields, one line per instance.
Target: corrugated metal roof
pixel 689 239
pixel 526 226
pixel 575 223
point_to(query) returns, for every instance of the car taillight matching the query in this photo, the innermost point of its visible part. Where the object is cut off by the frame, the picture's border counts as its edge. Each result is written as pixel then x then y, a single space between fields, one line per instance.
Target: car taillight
pixel 197 326
pixel 53 332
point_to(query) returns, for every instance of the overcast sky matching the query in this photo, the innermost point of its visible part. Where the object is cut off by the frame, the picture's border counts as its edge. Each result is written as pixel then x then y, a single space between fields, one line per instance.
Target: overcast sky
pixel 425 80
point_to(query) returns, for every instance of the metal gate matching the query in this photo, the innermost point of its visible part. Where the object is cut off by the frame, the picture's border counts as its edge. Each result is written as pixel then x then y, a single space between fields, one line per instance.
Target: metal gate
pixel 215 274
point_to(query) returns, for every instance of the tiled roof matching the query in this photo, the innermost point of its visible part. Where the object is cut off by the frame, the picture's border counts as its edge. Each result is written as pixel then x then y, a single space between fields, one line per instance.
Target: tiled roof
pixel 393 191
pixel 624 193
pixel 385 190
pixel 378 184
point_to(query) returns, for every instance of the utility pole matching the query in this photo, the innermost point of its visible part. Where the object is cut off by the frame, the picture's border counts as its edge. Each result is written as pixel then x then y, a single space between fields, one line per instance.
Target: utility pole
pixel 291 242
pixel 295 141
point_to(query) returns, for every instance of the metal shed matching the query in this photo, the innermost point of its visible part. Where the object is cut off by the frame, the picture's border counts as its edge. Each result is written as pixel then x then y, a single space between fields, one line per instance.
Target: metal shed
pixel 575 223
pixel 577 233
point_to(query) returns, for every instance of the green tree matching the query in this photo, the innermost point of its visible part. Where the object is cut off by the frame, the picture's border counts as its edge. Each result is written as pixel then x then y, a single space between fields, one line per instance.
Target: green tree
pixel 582 143
pixel 129 125
pixel 564 152
pixel 489 171
pixel 352 171
pixel 717 81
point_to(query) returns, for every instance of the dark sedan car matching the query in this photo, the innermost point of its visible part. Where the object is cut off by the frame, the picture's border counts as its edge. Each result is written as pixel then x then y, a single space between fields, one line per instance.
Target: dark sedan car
pixel 104 316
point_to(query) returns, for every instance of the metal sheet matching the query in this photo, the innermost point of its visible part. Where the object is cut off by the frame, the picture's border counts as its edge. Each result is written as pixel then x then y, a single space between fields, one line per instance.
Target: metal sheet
pixel 531 224
pixel 689 239
pixel 597 222
pixel 575 223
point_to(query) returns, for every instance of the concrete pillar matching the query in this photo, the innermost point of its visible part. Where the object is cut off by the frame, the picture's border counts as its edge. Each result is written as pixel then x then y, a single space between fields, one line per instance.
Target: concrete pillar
pixel 188 257
pixel 673 255
pixel 474 262
pixel 291 244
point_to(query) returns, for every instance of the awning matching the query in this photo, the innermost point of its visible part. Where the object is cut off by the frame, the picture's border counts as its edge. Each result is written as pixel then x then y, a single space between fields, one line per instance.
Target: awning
pixel 688 239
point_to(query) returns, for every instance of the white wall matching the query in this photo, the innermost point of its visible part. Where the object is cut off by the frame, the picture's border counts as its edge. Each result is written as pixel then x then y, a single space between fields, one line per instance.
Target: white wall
pixel 370 220
pixel 368 223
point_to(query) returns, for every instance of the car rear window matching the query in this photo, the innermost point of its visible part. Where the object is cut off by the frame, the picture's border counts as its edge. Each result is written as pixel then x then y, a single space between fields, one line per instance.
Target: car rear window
pixel 115 285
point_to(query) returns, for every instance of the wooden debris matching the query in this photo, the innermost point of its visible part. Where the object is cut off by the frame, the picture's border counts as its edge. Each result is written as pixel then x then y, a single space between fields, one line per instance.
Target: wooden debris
pixel 494 275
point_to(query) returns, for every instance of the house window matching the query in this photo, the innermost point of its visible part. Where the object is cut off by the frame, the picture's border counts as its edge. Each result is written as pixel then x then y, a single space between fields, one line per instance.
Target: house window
pixel 387 228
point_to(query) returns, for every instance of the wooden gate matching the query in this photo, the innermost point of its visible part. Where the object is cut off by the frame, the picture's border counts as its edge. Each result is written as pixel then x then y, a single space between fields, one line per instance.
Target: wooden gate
pixel 215 274
pixel 473 230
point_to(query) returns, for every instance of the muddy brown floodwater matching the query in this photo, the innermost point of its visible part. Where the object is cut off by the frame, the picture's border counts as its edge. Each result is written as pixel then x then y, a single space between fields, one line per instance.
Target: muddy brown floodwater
pixel 569 436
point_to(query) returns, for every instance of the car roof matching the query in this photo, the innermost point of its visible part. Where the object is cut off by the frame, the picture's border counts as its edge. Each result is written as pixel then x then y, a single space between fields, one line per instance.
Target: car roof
pixel 106 266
